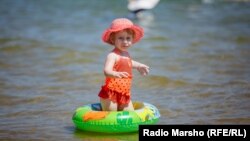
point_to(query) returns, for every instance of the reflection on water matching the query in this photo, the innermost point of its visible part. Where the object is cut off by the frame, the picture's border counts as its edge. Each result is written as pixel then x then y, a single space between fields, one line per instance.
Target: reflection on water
pixel 107 137
pixel 51 59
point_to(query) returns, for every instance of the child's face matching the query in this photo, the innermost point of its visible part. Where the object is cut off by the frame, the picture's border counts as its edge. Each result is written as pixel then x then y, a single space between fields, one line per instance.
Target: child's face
pixel 123 40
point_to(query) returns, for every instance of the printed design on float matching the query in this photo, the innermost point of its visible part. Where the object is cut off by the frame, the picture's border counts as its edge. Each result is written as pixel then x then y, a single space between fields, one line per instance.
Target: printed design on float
pixel 154 110
pixel 124 118
pixel 145 114
pixel 95 115
pixel 96 107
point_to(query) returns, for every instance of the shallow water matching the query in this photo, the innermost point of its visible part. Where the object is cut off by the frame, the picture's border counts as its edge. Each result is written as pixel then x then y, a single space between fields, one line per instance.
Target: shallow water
pixel 51 59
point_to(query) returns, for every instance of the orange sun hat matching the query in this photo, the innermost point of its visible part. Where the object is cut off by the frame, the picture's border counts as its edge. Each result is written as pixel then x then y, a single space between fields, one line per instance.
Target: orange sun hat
pixel 119 25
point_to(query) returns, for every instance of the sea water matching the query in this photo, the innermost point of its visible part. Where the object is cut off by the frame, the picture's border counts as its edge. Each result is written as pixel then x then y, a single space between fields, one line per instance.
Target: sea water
pixel 52 57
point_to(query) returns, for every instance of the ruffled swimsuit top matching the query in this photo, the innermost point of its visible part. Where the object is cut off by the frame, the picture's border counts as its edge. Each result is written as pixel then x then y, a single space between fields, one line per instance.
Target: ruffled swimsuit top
pixel 118 89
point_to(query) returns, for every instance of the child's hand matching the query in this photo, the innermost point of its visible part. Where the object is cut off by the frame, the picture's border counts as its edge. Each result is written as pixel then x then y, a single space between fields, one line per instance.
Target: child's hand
pixel 143 69
pixel 121 74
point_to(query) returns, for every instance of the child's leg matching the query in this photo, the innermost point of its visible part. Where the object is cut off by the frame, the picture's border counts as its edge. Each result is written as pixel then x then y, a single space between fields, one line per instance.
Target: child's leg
pixel 126 107
pixel 108 105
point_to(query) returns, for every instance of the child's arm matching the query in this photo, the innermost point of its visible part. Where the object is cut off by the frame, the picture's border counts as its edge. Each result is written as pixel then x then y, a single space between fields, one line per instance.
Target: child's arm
pixel 108 67
pixel 142 68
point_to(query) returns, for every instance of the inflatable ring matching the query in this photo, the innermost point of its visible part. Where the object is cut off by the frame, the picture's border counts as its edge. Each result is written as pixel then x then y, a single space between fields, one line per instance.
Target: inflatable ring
pixel 91 118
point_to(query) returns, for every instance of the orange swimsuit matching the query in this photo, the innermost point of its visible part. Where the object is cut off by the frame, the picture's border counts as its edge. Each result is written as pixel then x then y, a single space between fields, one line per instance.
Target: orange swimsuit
pixel 118 89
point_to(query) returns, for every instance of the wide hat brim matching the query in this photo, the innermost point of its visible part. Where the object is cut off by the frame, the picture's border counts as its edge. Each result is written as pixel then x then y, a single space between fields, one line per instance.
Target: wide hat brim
pixel 138 33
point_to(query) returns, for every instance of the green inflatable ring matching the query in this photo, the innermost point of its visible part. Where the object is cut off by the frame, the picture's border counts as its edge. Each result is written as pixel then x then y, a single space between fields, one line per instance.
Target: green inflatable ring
pixel 91 118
